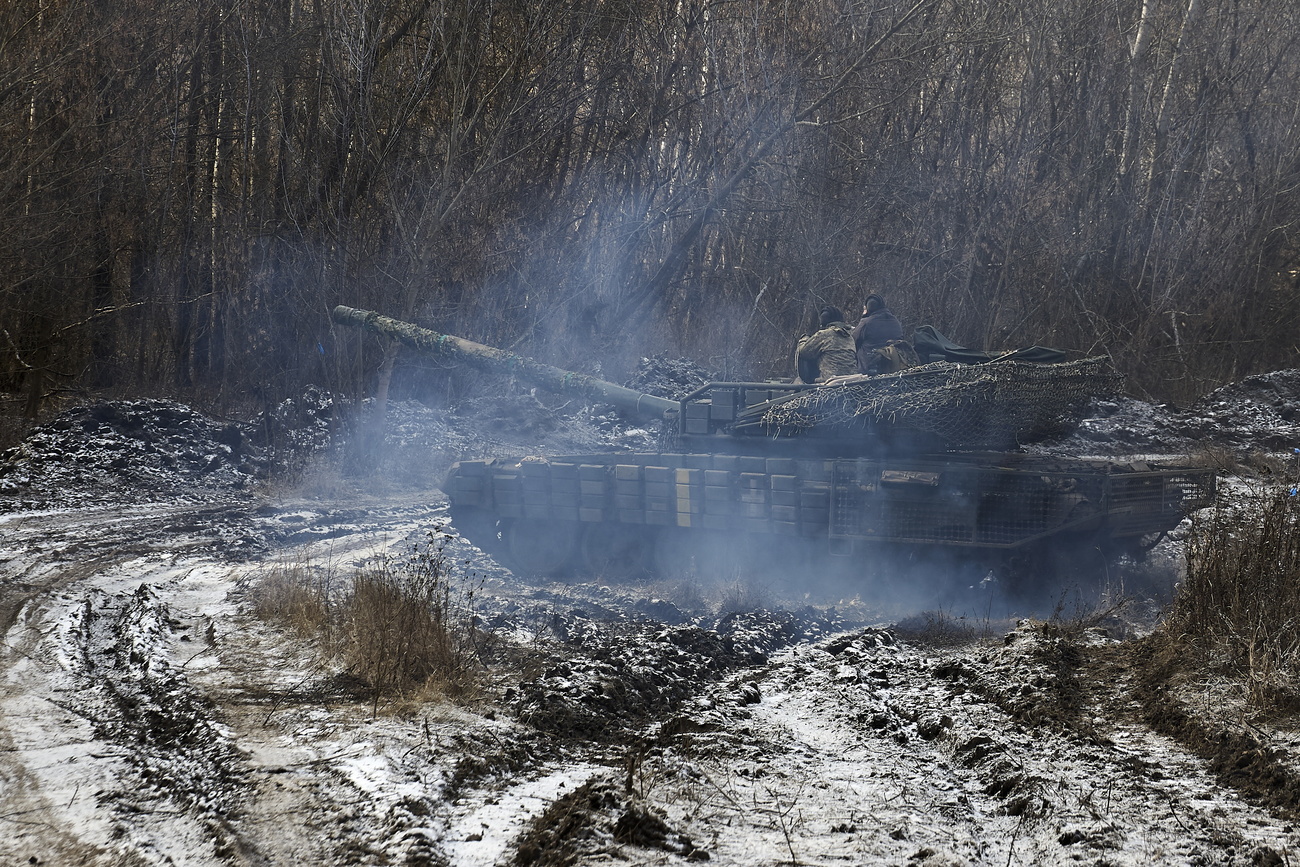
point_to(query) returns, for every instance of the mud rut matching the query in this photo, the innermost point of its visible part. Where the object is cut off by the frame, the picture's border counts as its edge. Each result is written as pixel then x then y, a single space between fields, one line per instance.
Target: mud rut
pixel 144 723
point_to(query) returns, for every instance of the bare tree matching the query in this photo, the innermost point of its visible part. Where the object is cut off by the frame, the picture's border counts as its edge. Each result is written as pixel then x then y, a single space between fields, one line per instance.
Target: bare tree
pixel 187 188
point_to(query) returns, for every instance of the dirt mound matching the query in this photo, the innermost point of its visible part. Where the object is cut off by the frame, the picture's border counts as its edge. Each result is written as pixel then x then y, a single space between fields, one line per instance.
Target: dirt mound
pixel 608 677
pixel 538 422
pixel 1123 426
pixel 1260 413
pixel 509 413
pixel 298 427
pixel 673 378
pixel 129 451
pixel 160 450
pixel 594 820
pixel 755 634
pixel 1035 679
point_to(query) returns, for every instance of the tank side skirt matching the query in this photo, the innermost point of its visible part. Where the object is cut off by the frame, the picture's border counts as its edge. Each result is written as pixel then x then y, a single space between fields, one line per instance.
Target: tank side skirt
pixel 959 503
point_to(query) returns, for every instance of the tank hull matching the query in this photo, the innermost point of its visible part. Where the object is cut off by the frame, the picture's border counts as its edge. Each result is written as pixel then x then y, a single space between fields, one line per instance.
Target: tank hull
pixel 629 512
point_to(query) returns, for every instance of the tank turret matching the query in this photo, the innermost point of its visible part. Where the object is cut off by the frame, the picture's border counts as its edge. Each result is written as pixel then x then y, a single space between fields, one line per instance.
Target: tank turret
pixel 926 459
pixel 1001 403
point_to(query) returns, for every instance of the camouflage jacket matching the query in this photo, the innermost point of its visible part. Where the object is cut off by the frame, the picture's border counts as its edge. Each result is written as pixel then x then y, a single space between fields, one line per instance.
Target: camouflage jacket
pixel 829 352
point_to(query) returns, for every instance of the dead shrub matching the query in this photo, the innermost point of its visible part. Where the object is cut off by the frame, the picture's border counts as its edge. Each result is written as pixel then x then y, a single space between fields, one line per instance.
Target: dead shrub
pixel 1239 605
pixel 1072 620
pixel 403 628
pixel 13 425
pixel 938 628
pixel 743 595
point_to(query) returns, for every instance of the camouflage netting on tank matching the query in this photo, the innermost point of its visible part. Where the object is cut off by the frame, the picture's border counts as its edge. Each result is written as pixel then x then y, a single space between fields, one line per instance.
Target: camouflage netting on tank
pixel 993 405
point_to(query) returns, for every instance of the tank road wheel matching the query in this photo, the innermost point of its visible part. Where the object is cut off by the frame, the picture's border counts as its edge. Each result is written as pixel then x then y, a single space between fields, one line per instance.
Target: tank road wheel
pixel 616 551
pixel 536 547
pixel 1023 573
pixel 478 526
pixel 696 554
pixel 1054 574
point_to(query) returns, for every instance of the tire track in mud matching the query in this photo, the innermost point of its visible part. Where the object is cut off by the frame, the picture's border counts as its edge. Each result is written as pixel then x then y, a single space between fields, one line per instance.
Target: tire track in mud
pixel 330 783
pixel 187 768
pixel 291 724
pixel 1074 688
pixel 136 697
pixel 28 818
pixel 85 669
pixel 177 789
pixel 33 569
pixel 1101 691
pixel 1241 757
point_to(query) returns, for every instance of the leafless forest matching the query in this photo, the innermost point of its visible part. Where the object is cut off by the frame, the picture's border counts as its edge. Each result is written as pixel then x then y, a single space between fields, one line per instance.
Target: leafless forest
pixel 187 188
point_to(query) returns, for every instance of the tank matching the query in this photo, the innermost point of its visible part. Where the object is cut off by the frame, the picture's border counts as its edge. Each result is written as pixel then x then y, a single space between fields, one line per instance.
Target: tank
pixel 925 464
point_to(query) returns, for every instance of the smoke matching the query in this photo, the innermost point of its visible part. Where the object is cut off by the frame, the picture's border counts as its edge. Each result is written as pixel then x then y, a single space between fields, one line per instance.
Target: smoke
pixel 871 583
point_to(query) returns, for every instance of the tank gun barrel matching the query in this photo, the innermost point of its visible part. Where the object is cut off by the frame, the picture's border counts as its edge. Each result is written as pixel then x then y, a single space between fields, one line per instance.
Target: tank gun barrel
pixel 494 360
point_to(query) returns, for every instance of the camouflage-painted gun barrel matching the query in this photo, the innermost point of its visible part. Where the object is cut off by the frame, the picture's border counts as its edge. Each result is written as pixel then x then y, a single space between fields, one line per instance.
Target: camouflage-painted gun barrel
pixel 493 360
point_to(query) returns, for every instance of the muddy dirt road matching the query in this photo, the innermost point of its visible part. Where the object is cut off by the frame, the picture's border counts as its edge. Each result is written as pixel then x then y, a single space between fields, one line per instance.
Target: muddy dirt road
pixel 147 717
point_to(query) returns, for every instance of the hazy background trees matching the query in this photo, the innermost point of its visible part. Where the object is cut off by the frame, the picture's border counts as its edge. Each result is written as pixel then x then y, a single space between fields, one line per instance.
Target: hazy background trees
pixel 188 186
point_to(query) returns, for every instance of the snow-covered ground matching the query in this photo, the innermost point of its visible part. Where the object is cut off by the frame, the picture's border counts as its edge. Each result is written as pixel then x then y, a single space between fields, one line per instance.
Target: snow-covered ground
pixel 148 717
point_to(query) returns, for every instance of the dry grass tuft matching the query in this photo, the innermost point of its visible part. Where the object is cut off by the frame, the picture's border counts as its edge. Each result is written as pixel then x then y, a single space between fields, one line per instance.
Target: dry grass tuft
pixel 295 596
pixel 937 628
pixel 743 594
pixel 404 627
pixel 1239 606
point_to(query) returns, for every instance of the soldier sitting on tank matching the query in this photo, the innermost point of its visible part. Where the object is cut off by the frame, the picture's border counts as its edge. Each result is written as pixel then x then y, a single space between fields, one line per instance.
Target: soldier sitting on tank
pixel 878 340
pixel 828 352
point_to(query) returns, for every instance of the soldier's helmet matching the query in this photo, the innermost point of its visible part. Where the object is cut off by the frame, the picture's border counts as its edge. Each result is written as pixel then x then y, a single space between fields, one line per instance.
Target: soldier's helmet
pixel 829 314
